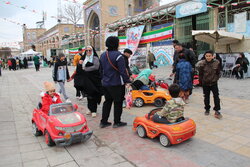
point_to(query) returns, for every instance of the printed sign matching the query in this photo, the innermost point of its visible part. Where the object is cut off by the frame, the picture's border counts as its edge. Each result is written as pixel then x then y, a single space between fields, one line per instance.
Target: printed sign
pixel 191 8
pixel 134 37
pixel 240 22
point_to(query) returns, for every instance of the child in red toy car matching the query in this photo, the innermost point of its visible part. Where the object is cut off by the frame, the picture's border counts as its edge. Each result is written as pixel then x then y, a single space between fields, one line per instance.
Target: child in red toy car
pixel 50 97
pixel 173 110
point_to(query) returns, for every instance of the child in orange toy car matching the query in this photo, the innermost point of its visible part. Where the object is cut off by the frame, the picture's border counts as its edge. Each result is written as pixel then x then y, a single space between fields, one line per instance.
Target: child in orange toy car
pixel 50 97
pixel 174 108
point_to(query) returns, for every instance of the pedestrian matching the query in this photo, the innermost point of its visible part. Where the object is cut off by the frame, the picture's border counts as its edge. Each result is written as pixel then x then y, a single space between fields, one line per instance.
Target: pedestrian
pixel 189 56
pixel 13 61
pixel 51 61
pixel 10 64
pixel 61 74
pixel 151 60
pixel 126 55
pixel 88 68
pixel 114 78
pixel 209 73
pixel 77 57
pixel 184 77
pixel 1 64
pixel 25 62
pixel 241 66
pixel 36 60
pixel 17 63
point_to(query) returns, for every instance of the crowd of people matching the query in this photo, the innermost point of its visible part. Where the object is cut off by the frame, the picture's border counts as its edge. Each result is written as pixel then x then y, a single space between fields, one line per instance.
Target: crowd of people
pixel 109 74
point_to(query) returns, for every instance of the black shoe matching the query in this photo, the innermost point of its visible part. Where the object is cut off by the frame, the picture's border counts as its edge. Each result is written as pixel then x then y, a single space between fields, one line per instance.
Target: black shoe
pixel 120 124
pixel 104 125
pixel 207 112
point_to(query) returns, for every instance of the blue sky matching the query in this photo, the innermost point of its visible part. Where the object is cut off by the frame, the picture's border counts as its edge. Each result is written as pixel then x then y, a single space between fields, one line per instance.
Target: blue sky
pixel 10 32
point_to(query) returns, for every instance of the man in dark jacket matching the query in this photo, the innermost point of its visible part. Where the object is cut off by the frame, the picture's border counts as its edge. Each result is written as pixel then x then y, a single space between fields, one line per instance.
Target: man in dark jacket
pixel 114 78
pixel 126 55
pixel 190 56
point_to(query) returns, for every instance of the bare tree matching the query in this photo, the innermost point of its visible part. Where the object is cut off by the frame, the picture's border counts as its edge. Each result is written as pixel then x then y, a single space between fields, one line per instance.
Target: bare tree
pixel 73 13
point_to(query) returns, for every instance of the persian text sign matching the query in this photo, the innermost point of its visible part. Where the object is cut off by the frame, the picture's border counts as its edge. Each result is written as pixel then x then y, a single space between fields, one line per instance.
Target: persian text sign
pixel 191 8
pixel 134 37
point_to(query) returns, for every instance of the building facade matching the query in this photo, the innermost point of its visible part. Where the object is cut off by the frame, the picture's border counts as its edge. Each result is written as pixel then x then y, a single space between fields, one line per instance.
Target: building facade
pixel 30 36
pixel 52 39
pixel 99 13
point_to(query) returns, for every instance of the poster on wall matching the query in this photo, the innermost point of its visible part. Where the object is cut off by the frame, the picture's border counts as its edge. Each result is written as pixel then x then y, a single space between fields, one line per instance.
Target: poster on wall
pixel 134 37
pixel 240 22
pixel 191 8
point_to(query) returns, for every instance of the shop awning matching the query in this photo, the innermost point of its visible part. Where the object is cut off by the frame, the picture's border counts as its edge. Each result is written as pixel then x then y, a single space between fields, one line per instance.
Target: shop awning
pixel 217 36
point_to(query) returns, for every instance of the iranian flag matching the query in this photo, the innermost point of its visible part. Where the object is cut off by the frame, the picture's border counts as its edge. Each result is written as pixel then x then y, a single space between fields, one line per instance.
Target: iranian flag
pixel 157 35
pixel 122 40
pixel 152 36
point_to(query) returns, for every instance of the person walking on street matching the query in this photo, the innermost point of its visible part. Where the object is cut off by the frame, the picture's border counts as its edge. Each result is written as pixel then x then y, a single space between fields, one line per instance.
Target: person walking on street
pixel 114 78
pixel 209 73
pixel 10 64
pixel 36 60
pixel 1 64
pixel 151 60
pixel 61 74
pixel 88 70
pixel 13 61
pixel 17 63
pixel 25 62
pixel 77 57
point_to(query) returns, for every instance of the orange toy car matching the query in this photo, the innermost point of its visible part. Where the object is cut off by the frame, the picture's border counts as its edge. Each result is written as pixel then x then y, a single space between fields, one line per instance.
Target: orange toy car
pixel 150 96
pixel 173 133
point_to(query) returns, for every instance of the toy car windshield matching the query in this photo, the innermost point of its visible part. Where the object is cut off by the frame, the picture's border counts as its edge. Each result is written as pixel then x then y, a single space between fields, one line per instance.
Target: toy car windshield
pixel 62 108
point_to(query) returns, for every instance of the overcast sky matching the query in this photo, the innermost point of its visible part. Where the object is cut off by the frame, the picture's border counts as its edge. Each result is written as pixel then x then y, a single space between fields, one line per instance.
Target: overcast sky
pixel 10 32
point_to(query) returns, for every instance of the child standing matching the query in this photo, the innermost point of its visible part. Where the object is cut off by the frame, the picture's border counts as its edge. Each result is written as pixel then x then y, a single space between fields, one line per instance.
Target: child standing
pixel 174 108
pixel 209 72
pixel 61 74
pixel 184 76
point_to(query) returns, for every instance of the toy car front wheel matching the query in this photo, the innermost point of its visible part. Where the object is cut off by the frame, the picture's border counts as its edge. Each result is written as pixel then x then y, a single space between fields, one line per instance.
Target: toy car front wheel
pixel 35 130
pixel 164 140
pixel 158 102
pixel 48 139
pixel 141 131
pixel 139 102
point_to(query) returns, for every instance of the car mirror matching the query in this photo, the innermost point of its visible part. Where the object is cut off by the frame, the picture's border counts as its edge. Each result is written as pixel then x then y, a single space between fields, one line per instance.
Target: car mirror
pixel 75 106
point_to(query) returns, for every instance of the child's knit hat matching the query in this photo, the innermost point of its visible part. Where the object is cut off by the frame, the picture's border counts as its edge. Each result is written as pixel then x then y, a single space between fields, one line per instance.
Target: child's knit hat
pixel 49 86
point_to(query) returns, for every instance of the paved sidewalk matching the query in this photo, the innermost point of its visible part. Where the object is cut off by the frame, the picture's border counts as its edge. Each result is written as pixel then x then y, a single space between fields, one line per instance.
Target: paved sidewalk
pixel 217 143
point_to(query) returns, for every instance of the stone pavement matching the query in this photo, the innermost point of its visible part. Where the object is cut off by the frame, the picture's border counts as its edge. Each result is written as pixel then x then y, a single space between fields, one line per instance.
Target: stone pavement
pixel 217 143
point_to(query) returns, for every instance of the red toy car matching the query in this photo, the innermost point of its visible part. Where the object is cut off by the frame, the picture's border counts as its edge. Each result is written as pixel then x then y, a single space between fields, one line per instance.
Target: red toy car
pixel 62 126
pixel 173 133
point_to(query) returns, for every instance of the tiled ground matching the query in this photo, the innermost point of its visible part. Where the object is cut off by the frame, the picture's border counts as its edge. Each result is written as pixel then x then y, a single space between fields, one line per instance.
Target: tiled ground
pixel 222 143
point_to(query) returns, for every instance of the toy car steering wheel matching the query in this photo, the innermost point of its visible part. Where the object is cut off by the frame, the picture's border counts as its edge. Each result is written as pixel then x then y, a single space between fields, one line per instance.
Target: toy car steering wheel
pixel 152 112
